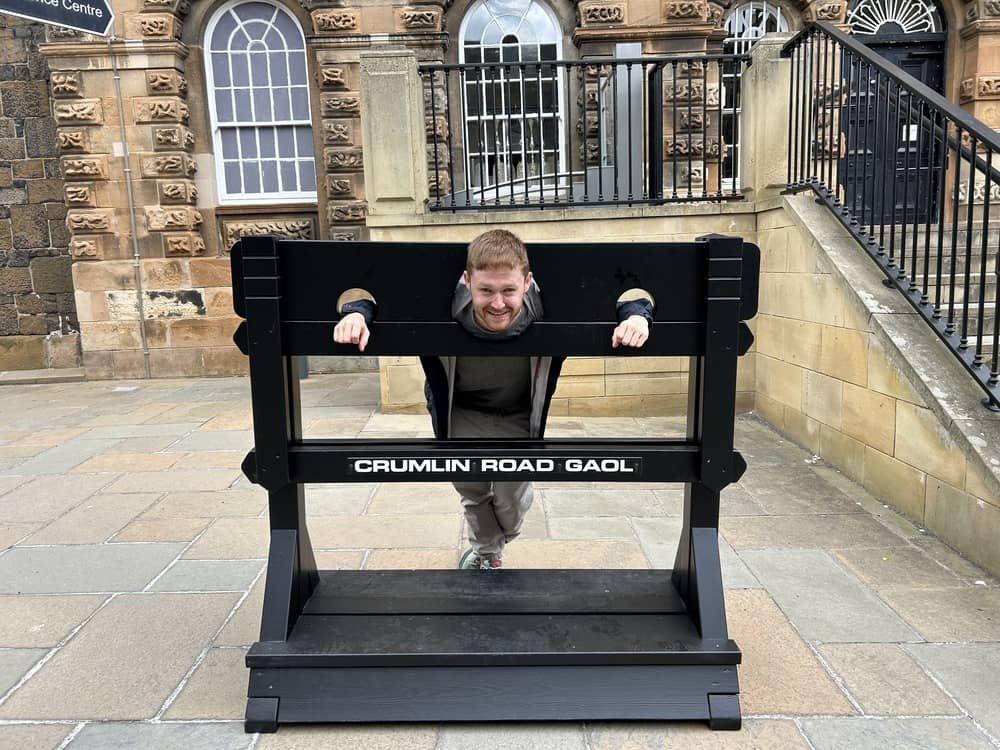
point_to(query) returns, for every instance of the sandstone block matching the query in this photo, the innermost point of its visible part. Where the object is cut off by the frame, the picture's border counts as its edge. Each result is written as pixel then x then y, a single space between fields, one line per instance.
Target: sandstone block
pixel 844 354
pixel 207 272
pixel 225 360
pixel 203 331
pixel 174 363
pixel 896 483
pixel 109 335
pixel 923 442
pixel 15 281
pixel 98 365
pixel 965 522
pixel 52 275
pixel 779 381
pixel 22 352
pixel 844 452
pixel 64 351
pixel 170 273
pixel 28 169
pixel 42 191
pixel 870 417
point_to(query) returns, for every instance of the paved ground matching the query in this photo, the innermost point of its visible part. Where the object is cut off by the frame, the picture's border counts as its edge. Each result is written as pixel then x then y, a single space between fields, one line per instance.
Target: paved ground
pixel 131 577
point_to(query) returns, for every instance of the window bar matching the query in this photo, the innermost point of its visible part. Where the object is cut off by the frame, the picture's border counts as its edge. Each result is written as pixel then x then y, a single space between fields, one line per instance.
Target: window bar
pixel 690 124
pixel 655 137
pixel 908 147
pixel 793 125
pixel 437 180
pixel 722 66
pixel 628 88
pixel 994 373
pixel 875 121
pixel 508 135
pixel 525 154
pixel 836 123
pixel 891 175
pixel 929 198
pixel 867 201
pixel 987 185
pixel 674 135
pixel 950 328
pixel 497 139
pixel 853 138
pixel 557 76
pixel 888 162
pixel 541 130
pixel 810 113
pixel 969 212
pixel 450 140
pixel 823 112
pixel 942 197
pixel 481 126
pixel 614 124
pixel 581 72
pixel 569 129
pixel 704 128
pixel 586 135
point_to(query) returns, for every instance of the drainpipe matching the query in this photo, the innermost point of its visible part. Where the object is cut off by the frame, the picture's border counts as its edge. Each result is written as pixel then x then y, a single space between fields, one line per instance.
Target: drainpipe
pixel 136 267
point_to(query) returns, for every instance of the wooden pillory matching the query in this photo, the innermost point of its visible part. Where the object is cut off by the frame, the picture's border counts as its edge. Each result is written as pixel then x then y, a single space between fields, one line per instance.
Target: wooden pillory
pixel 453 645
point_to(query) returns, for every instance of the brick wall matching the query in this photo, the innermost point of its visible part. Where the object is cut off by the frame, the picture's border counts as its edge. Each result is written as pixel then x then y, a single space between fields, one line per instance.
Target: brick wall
pixel 38 324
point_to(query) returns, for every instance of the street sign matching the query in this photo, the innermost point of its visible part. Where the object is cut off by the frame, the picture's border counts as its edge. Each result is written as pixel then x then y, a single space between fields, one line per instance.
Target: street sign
pixel 93 16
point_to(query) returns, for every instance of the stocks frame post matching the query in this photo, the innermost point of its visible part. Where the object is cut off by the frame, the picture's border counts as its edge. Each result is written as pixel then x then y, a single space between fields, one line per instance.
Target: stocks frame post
pixel 360 646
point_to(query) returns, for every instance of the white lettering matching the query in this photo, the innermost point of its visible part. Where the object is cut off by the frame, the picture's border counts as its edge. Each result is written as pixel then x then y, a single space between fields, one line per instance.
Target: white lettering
pixel 604 466
pixel 84 8
pixel 363 465
pixel 488 464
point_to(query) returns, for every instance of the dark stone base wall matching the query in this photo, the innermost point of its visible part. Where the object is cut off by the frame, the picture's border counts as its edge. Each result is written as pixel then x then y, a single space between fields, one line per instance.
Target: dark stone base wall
pixel 38 321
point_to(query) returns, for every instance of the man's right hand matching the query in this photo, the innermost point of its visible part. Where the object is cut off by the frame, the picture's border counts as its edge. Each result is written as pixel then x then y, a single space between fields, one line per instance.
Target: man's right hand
pixel 352 329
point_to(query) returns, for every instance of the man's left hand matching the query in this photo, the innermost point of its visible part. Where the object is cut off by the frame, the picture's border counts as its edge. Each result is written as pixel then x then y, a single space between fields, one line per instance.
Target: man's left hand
pixel 633 331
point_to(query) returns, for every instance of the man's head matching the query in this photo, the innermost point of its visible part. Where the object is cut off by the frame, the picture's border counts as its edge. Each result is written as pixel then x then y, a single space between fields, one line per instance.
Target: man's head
pixel 497 275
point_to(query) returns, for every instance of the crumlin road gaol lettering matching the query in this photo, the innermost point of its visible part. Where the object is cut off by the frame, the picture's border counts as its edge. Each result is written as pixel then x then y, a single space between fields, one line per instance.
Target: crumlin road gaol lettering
pixel 514 465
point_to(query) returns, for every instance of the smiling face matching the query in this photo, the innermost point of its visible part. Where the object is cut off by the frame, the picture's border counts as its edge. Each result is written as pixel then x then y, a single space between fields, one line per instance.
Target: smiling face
pixel 497 295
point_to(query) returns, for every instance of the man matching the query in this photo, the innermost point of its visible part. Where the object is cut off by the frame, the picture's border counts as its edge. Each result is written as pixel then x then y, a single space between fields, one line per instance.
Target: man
pixel 496 397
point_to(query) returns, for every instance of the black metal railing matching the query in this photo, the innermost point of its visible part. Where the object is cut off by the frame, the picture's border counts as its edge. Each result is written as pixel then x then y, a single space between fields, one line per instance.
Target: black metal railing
pixel 911 176
pixel 563 133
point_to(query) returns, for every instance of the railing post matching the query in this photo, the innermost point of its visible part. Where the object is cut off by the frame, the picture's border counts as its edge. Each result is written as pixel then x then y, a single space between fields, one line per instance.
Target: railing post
pixel 392 133
pixel 764 120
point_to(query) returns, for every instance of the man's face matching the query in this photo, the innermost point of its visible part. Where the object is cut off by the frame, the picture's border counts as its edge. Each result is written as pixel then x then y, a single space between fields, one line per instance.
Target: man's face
pixel 497 296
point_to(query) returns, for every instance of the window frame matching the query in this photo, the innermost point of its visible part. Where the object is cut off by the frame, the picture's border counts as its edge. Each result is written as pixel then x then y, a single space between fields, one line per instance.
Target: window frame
pixel 225 198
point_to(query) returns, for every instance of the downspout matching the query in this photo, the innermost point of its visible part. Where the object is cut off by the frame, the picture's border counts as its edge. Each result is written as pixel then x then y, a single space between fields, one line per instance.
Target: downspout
pixel 127 169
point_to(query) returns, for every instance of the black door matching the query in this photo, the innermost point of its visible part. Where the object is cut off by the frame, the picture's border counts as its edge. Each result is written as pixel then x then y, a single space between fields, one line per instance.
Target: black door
pixel 893 156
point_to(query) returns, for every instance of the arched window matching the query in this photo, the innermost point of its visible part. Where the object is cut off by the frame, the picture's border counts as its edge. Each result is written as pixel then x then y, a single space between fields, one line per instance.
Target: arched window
pixel 255 59
pixel 744 26
pixel 512 114
pixel 906 17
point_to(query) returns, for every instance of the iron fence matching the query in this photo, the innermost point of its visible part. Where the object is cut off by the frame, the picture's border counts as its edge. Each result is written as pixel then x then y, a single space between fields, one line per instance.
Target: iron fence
pixel 912 178
pixel 557 133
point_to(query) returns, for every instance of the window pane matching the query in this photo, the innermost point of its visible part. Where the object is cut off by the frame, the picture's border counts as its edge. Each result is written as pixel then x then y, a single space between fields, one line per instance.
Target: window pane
pixel 282 110
pixel 241 70
pixel 243 111
pixel 286 142
pixel 251 177
pixel 262 104
pixel 304 138
pixel 548 51
pixel 307 175
pixel 267 145
pixel 250 11
pixel 472 99
pixel 220 68
pixel 549 96
pixel 273 39
pixel 300 103
pixel 248 143
pixel 292 37
pixel 549 132
pixel 288 176
pixel 258 69
pixel 220 37
pixel 279 68
pixel 472 54
pixel 255 30
pixel 239 41
pixel 232 172
pixel 229 144
pixel 530 96
pixel 224 105
pixel 270 169
pixel 297 64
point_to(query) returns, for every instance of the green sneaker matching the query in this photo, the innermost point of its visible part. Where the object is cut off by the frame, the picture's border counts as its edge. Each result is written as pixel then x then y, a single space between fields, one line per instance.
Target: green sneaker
pixel 471 561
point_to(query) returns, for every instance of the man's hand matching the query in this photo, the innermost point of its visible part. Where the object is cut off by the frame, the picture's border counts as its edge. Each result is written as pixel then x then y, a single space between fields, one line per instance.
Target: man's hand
pixel 352 329
pixel 633 331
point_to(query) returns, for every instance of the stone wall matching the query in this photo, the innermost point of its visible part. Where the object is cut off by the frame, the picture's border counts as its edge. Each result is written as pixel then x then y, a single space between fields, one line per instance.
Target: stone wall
pixel 846 368
pixel 38 321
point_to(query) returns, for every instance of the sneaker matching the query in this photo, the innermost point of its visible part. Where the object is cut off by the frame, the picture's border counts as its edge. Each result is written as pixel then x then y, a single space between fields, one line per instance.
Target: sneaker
pixel 471 561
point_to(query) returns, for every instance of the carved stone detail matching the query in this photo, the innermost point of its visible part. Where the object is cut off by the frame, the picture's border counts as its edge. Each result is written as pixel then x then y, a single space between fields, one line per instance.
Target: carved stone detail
pixel 85 168
pixel 992 7
pixel 85 248
pixel 346 213
pixel 971 12
pixel 90 220
pixel 172 138
pixel 438 183
pixel 181 191
pixel 966 90
pixel 683 91
pixel 339 187
pixel 160 109
pixel 693 120
pixel 716 15
pixel 339 105
pixel 691 147
pixel 830 12
pixel 436 127
pixel 187 243
pixel 159 82
pixel 338 132
pixel 343 159
pixel 335 21
pixel 988 86
pixel 65 83
pixel 80 194
pixel 155 25
pixel 161 219
pixel 346 234
pixel 696 9
pixel 333 77
pixel 61 33
pixel 83 111
pixel 71 140
pixel 422 18
pixel 602 13
pixel 168 165
pixel 296 229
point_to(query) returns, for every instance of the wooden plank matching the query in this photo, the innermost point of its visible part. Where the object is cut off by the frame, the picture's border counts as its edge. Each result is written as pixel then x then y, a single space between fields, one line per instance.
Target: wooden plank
pixel 494 693
pixel 390 592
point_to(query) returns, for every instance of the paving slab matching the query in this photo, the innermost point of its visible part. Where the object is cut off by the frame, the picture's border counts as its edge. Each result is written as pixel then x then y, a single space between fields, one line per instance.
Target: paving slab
pixel 585 527
pixel 338 500
pixel 912 734
pixel 942 615
pixel 233 539
pixel 511 736
pixel 216 690
pixel 779 673
pixel 659 538
pixel 969 672
pixel 162 530
pixel 33 736
pixel 411 559
pixel 177 480
pixel 535 553
pixel 886 681
pixel 36 621
pixel 409 498
pixel 121 462
pixel 756 734
pixel 46 498
pixel 736 501
pixel 90 679
pixel 902 567
pixel 614 502
pixel 163 736
pixel 15 663
pixel 143 430
pixel 83 569
pixel 61 458
pixel 209 575
pixel 212 459
pixel 840 531
pixel 220 504
pixel 94 520
pixel 220 440
pixel 12 534
pixel 426 530
pixel 808 585
pixel 368 737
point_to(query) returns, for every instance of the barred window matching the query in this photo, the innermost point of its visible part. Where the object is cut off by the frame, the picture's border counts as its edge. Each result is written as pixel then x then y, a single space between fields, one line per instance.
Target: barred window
pixel 255 59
